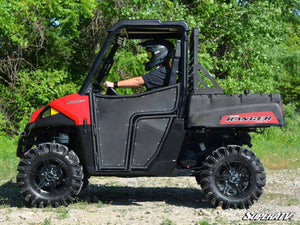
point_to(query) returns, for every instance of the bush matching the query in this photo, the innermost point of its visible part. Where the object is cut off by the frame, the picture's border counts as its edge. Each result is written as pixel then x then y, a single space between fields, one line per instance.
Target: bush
pixel 9 160
pixel 278 147
pixel 33 90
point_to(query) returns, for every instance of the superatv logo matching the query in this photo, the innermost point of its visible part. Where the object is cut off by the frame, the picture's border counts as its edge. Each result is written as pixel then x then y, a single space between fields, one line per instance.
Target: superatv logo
pixel 250 118
pixel 253 216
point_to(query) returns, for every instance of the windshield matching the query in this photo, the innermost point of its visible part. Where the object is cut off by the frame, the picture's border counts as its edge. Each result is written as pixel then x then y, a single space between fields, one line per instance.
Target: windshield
pixel 123 60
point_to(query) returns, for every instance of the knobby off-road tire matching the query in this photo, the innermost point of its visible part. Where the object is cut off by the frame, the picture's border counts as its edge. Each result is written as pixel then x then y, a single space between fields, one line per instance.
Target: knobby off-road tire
pixel 50 175
pixel 232 177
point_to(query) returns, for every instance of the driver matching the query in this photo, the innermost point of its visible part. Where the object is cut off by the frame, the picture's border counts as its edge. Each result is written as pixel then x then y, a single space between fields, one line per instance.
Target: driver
pixel 159 54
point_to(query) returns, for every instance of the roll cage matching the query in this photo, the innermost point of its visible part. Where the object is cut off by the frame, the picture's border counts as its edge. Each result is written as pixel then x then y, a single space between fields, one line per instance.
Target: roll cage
pixel 138 29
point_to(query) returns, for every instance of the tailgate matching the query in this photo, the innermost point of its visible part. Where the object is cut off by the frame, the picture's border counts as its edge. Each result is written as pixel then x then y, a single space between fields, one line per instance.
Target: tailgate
pixel 219 110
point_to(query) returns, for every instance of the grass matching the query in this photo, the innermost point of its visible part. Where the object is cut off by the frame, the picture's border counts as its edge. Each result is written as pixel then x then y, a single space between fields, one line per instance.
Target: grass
pixel 284 199
pixel 278 148
pixel 47 221
pixel 203 223
pixel 62 213
pixel 167 221
pixel 9 160
pixel 277 154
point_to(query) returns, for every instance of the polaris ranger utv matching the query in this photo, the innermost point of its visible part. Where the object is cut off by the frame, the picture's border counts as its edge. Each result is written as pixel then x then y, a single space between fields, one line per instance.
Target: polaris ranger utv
pixel 188 128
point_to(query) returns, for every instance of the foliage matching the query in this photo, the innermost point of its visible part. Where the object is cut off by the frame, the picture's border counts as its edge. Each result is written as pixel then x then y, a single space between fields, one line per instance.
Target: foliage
pixel 39 34
pixel 278 147
pixel 9 160
pixel 239 40
pixel 47 46
pixel 125 68
pixel 36 52
pixel 32 90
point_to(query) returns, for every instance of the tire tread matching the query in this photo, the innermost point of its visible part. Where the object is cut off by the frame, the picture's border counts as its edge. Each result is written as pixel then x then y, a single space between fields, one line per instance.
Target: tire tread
pixel 205 177
pixel 56 150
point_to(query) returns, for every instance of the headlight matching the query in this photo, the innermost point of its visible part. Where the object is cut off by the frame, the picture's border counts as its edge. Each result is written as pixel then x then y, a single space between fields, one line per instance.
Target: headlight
pixel 49 112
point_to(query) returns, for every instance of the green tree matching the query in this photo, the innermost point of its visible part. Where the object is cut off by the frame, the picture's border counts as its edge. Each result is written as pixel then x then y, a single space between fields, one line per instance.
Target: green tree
pixel 37 37
pixel 246 45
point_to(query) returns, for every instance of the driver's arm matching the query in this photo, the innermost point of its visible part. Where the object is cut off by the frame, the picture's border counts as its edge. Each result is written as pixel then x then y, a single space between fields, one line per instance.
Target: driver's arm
pixel 134 82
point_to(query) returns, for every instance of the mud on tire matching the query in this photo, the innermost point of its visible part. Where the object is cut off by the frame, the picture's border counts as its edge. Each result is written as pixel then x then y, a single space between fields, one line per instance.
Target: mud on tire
pixel 232 177
pixel 49 175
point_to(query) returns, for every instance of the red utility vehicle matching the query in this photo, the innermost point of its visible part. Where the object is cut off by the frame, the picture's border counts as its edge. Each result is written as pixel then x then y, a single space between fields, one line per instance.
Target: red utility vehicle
pixel 188 128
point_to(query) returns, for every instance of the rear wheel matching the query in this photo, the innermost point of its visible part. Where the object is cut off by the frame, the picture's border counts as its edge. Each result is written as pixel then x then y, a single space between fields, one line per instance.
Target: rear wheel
pixel 232 177
pixel 50 175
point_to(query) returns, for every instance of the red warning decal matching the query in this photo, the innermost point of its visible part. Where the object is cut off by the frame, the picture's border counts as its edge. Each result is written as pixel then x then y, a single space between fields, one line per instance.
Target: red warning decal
pixel 250 118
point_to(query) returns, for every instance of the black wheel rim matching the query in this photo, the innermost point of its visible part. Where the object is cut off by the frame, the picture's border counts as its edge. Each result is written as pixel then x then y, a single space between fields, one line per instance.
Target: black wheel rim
pixel 233 179
pixel 50 177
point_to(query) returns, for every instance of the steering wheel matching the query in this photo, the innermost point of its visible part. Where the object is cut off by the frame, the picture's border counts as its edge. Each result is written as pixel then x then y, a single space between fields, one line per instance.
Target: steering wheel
pixel 111 91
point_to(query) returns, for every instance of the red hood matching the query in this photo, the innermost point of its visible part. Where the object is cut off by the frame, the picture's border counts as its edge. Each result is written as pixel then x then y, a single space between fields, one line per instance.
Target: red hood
pixel 74 106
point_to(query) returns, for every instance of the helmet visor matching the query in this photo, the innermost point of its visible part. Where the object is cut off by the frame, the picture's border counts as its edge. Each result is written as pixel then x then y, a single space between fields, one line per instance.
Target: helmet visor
pixel 150 55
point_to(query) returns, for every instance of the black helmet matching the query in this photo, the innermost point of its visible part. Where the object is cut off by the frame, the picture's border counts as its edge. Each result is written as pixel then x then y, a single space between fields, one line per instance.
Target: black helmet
pixel 159 51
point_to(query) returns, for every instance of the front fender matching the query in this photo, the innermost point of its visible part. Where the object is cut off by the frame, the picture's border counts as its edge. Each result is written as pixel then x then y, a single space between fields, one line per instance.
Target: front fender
pixel 28 136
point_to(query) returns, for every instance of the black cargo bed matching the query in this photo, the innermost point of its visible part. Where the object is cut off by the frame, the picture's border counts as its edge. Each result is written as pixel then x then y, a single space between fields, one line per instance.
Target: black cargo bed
pixel 220 110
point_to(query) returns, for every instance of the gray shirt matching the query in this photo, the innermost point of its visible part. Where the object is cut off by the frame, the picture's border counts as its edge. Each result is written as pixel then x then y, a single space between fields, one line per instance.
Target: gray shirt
pixel 157 78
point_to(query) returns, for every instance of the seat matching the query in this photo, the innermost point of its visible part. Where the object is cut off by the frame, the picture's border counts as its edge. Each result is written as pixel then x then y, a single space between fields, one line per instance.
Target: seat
pixel 175 65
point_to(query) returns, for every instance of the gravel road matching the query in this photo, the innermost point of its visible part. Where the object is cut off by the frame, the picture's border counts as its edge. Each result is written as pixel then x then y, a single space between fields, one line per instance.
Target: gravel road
pixel 179 200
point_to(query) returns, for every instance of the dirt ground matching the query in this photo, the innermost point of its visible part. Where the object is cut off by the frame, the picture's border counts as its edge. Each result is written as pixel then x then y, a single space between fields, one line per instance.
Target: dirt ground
pixel 179 200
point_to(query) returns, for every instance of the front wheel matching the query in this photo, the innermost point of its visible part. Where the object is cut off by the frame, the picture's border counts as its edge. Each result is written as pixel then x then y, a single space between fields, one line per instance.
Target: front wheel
pixel 50 175
pixel 232 177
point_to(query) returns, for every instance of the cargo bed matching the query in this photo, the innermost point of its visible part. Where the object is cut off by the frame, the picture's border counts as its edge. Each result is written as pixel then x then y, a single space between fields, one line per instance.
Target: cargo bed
pixel 239 110
pixel 209 107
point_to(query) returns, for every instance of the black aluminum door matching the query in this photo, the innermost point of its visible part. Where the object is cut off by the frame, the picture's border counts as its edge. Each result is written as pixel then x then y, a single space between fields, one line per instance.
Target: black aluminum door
pixel 130 129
